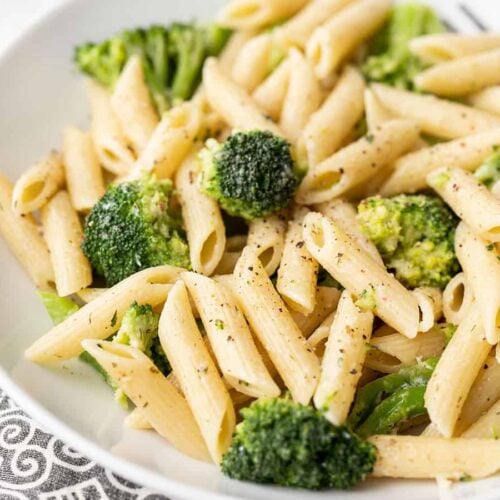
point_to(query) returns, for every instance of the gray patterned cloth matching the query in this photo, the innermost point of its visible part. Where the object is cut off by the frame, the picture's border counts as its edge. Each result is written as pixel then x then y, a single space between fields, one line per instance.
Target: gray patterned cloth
pixel 36 465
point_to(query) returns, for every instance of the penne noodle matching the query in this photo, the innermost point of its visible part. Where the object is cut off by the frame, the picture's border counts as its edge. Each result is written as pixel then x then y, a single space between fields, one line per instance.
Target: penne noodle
pixel 230 338
pixel 112 148
pixel 266 237
pixel 34 188
pixel 357 163
pixel 487 100
pixel 436 117
pixel 332 42
pixel 479 260
pixel 442 47
pixel 83 172
pixel 455 372
pixel 430 303
pixel 417 457
pixel 343 359
pixel 431 431
pixel 198 377
pixel 160 403
pixel 486 427
pixel 254 14
pixel 469 199
pixel 273 325
pixel 24 240
pixel 90 294
pixel 298 271
pixel 102 317
pixel 132 105
pixel 345 260
pixel 232 50
pixel 202 220
pixel 461 76
pixel 457 297
pixel 376 113
pixel 136 420
pixel 329 127
pixel 63 233
pixel 411 170
pixel 234 247
pixel 321 333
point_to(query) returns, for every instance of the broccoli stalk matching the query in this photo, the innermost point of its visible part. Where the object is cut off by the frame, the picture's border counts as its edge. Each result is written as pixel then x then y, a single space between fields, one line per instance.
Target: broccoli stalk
pixel 489 172
pixel 252 174
pixel 132 228
pixel 59 308
pixel 390 60
pixel 289 444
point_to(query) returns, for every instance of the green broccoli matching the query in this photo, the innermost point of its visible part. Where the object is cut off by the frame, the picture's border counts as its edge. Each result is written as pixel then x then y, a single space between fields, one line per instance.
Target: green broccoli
pixel 489 172
pixel 289 444
pixel 414 235
pixel 172 58
pixel 59 308
pixel 252 174
pixel 131 228
pixel 390 60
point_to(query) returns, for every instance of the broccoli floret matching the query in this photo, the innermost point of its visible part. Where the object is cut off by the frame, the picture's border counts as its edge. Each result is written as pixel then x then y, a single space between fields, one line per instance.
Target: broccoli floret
pixel 172 58
pixel 489 172
pixel 414 235
pixel 390 60
pixel 289 444
pixel 132 227
pixel 252 174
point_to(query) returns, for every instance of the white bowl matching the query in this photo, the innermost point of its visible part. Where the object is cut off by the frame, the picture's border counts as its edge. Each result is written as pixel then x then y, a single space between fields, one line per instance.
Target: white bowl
pixel 40 93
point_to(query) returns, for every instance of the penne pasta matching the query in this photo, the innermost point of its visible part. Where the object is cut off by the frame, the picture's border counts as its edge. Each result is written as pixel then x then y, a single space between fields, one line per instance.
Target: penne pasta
pixel 376 113
pixel 90 294
pixel 198 377
pixel 343 259
pixel 455 372
pixel 430 303
pixel 24 240
pixel 434 116
pixel 232 50
pixel 321 333
pixel 343 359
pixel 479 260
pixel 273 325
pixel 234 247
pixel 102 317
pixel 332 42
pixel 357 163
pixel 487 426
pixel 487 99
pixel 160 403
pixel 63 234
pixel 230 338
pixel 83 173
pixel 136 420
pixel 457 297
pixel 34 188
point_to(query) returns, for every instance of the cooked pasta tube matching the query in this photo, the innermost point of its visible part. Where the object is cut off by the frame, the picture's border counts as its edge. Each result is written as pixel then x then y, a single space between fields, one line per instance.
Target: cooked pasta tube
pixel 343 359
pixel 230 338
pixel 487 426
pixel 444 47
pixel 479 260
pixel 202 219
pixel 358 162
pixel 266 237
pixel 35 186
pixel 132 105
pixel 63 233
pixel 232 50
pixel 329 127
pixel 298 271
pixel 487 99
pixel 457 297
pixel 254 14
pixel 112 148
pixel 455 372
pixel 102 317
pixel 343 214
pixel 83 173
pixel 298 30
pixel 198 377
pixel 462 76
pixel 136 420
pixel 356 270
pixel 24 240
pixel 160 403
pixel 469 199
pixel 327 299
pixel 430 303
pixel 232 103
pixel 332 42
pixel 417 457
pixel 321 333
pixel 273 325
pixel 376 113
pixel 431 431
pixel 434 116
pixel 411 170
pixel 382 362
pixel 234 247
pixel 90 294
pixel 303 97
pixel 170 142
pixel 484 393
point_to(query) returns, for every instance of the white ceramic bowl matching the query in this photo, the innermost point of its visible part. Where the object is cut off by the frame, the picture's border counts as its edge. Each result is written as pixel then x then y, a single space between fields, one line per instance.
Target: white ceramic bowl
pixel 40 92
